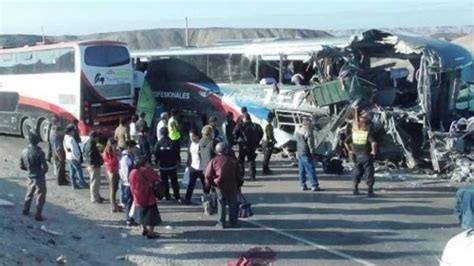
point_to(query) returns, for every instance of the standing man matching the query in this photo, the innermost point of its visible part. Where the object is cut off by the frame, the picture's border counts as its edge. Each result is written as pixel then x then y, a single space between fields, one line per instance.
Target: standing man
pixel 268 142
pixel 94 161
pixel 363 148
pixel 214 123
pixel 125 167
pixel 73 159
pixel 175 134
pixel 222 172
pixel 248 135
pixel 228 128
pixel 166 160
pixel 33 160
pixel 56 140
pixel 163 123
pixel 305 154
pixel 141 123
pixel 121 134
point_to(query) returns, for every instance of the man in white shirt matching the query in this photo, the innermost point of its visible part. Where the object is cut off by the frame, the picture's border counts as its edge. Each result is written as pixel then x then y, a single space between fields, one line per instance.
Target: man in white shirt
pixel 125 167
pixel 163 123
pixel 73 159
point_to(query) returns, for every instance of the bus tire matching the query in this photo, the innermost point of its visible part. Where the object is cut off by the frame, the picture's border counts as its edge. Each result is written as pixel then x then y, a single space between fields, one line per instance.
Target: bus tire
pixel 43 129
pixel 26 127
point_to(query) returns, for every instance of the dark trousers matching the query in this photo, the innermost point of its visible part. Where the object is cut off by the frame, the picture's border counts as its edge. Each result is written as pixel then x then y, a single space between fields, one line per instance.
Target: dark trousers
pixel 364 167
pixel 267 155
pixel 173 175
pixel 249 153
pixel 60 169
pixel 223 200
pixel 35 186
pixel 194 175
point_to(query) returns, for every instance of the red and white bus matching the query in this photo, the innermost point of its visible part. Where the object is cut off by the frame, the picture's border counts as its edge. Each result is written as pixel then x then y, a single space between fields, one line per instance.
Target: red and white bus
pixel 87 81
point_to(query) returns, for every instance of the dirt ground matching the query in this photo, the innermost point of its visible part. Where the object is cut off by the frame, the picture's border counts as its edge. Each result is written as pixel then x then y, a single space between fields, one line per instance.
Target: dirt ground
pixel 407 224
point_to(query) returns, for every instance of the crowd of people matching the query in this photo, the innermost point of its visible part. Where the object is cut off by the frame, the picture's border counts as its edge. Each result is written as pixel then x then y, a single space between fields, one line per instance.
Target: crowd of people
pixel 129 155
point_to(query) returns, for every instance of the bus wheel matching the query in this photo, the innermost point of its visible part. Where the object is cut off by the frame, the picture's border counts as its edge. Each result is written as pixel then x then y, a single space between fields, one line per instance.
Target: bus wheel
pixel 26 127
pixel 43 130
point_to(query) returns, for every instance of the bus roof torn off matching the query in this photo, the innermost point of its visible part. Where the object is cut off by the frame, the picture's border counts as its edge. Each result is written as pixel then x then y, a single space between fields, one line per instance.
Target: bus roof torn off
pixel 409 83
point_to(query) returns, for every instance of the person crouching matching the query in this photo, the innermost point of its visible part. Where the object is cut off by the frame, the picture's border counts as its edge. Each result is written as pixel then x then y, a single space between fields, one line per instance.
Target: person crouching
pixel 223 172
pixel 141 180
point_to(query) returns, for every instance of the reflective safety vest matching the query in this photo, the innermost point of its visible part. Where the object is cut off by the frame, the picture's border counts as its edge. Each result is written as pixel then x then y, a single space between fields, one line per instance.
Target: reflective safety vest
pixel 360 137
pixel 173 133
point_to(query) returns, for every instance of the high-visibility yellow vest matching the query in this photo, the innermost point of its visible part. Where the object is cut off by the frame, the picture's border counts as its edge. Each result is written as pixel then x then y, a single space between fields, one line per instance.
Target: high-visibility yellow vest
pixel 360 137
pixel 173 133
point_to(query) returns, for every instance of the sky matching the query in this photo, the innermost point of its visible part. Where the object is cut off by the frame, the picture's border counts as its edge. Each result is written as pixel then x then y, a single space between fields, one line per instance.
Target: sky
pixel 55 17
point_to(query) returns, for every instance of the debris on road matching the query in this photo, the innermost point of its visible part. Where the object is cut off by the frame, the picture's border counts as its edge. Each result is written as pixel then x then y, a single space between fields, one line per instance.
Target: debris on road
pixel 123 235
pixel 6 203
pixel 61 260
pixel 51 232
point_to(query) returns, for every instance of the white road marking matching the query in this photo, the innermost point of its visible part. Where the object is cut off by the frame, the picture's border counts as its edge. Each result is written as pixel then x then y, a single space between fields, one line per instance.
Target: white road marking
pixel 311 243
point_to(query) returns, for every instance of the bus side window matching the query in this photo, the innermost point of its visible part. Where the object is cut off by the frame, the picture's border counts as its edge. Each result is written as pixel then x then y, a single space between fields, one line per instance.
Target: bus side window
pixel 8 101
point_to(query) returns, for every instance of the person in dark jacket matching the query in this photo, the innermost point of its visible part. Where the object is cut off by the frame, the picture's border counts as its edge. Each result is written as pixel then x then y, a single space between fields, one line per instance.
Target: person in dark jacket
pixel 222 172
pixel 93 161
pixel 268 142
pixel 33 160
pixel 228 129
pixel 305 154
pixel 248 135
pixel 56 139
pixel 165 156
pixel 214 123
pixel 141 123
pixel 144 150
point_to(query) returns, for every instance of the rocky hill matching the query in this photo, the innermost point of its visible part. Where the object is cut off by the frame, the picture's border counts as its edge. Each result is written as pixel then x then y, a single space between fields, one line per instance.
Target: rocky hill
pixel 165 38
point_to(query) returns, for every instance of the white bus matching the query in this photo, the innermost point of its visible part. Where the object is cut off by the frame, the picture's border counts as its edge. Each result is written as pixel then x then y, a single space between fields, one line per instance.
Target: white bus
pixel 87 81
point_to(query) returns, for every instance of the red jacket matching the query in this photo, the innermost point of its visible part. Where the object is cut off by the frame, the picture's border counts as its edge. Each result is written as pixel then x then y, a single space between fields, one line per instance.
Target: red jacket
pixel 223 172
pixel 141 184
pixel 111 162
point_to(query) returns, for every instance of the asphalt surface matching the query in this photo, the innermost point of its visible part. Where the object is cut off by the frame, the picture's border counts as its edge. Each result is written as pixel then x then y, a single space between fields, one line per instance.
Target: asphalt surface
pixel 407 224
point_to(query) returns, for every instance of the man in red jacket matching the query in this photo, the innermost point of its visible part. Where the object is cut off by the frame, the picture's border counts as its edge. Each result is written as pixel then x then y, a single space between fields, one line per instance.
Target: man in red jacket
pixel 223 172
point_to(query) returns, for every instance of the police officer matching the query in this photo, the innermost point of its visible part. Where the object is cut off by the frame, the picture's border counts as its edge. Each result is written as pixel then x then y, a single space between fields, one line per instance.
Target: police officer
pixel 363 147
pixel 248 135
pixel 268 142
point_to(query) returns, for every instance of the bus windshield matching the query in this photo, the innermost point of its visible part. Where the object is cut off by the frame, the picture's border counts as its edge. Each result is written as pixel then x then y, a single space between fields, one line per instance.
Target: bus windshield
pixel 106 56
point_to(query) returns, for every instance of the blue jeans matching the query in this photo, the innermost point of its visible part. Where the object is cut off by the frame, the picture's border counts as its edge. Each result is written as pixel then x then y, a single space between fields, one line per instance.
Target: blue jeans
pixel 75 173
pixel 306 167
pixel 127 200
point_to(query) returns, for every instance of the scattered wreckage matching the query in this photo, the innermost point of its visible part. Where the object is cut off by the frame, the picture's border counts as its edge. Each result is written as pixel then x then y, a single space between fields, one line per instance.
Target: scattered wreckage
pixel 410 84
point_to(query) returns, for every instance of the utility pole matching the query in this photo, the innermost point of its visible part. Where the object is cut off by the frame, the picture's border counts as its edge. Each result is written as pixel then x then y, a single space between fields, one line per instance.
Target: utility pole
pixel 42 34
pixel 186 33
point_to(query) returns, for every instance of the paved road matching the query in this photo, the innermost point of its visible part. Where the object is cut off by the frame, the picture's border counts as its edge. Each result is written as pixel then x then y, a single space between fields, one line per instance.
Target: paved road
pixel 407 224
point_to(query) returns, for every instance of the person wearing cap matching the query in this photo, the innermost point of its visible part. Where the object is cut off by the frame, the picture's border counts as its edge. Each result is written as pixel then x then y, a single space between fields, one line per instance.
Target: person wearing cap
pixel 222 172
pixel 33 160
pixel 248 135
pixel 268 141
pixel 93 161
pixel 73 159
pixel 362 146
pixel 305 155
pixel 163 123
